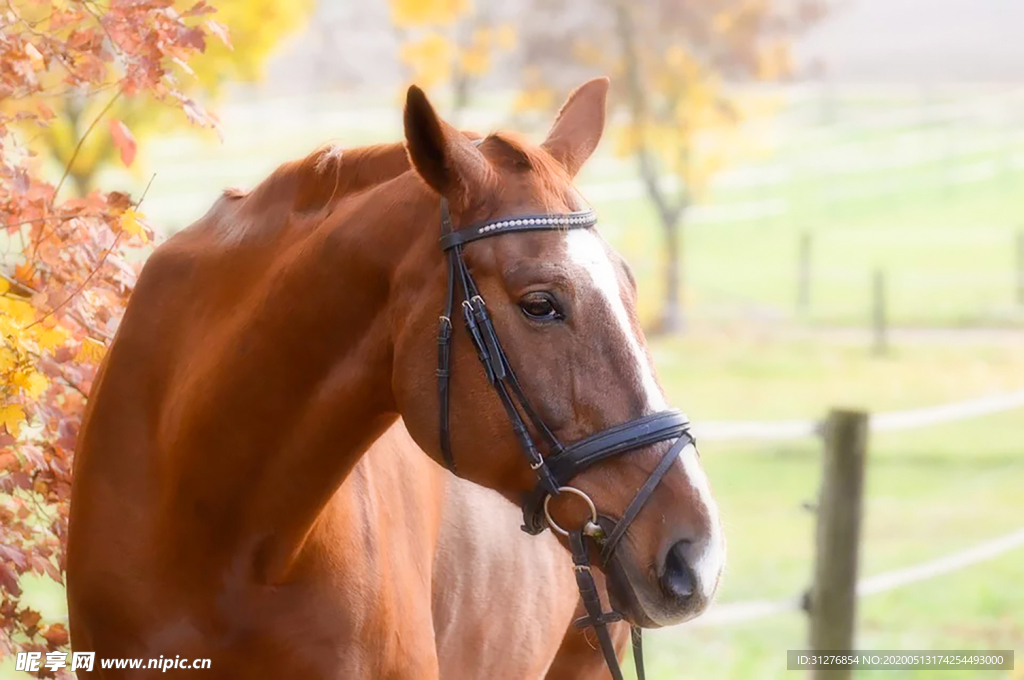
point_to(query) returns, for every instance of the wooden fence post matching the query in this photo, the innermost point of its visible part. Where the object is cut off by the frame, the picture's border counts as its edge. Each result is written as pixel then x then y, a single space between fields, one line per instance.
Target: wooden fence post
pixel 879 316
pixel 833 596
pixel 803 295
pixel 1020 267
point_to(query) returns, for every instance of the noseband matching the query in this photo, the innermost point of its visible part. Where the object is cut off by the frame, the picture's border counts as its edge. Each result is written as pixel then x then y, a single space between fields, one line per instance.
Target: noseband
pixel 563 462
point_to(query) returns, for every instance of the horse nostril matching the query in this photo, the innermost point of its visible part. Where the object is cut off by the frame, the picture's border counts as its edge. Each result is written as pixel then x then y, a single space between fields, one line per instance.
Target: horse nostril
pixel 678 579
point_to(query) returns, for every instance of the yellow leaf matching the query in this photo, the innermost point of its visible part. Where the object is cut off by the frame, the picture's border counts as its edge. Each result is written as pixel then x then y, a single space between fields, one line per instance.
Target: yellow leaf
pixel 8 359
pixel 4 285
pixel 19 379
pixel 475 61
pixel 34 57
pixel 91 351
pixel 17 312
pixel 506 37
pixel 424 12
pixel 37 384
pixel 32 382
pixel 12 416
pixel 723 22
pixel 429 58
pixel 51 338
pixel 131 225
pixel 483 37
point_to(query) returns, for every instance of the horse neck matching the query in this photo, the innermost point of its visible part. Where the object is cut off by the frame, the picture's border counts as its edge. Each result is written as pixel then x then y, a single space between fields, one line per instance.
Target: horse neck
pixel 297 381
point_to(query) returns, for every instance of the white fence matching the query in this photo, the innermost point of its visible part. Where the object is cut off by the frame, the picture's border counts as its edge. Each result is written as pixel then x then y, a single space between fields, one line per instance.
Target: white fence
pixel 760 430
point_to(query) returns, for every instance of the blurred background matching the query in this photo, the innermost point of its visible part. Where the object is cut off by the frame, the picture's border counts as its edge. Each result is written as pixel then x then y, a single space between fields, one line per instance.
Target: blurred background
pixel 823 202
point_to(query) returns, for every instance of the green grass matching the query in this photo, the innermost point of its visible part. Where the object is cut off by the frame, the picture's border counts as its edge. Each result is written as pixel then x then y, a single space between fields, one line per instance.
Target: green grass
pixel 929 492
pixel 733 374
pixel 948 256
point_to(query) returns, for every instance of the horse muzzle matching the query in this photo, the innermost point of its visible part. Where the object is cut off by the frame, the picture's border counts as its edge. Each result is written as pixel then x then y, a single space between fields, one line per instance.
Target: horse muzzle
pixel 679 586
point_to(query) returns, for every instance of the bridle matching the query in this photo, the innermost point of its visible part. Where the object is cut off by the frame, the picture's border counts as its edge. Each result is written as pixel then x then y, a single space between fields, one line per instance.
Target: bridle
pixel 563 462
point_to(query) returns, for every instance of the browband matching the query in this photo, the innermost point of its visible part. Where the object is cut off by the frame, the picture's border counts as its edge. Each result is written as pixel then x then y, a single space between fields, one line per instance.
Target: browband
pixel 581 219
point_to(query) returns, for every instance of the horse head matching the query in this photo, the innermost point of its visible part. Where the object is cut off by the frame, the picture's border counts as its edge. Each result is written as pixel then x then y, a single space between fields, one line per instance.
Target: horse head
pixel 561 305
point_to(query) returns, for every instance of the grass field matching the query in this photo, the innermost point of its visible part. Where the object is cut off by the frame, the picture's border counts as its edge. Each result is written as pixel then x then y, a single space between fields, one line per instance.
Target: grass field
pixel 928 493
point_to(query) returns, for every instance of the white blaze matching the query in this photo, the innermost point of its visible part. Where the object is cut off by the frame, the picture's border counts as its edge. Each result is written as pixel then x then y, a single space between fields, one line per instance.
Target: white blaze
pixel 586 250
pixel 709 557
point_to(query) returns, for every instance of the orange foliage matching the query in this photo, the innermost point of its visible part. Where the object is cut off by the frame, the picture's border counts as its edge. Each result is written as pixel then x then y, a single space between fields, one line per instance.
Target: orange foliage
pixel 64 272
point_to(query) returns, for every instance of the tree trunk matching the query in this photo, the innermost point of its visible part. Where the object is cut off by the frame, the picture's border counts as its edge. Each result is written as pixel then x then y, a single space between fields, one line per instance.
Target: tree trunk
pixel 673 313
pixel 670 212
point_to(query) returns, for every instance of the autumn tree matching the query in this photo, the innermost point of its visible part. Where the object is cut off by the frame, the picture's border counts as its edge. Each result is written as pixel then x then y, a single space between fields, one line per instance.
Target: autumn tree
pixel 255 27
pixel 676 58
pixel 450 43
pixel 677 69
pixel 66 269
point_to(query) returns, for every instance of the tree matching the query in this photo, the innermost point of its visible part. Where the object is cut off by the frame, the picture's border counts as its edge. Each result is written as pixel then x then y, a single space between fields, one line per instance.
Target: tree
pixel 680 114
pixel 675 66
pixel 66 272
pixel 449 42
pixel 256 26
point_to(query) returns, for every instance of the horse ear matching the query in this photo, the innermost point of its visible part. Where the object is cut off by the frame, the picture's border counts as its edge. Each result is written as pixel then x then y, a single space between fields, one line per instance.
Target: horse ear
pixel 446 160
pixel 579 125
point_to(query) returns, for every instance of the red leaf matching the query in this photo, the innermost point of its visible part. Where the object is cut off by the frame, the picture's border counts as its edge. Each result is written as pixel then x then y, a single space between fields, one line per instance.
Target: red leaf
pixel 30 618
pixel 56 635
pixel 221 31
pixel 124 140
pixel 9 581
pixel 199 8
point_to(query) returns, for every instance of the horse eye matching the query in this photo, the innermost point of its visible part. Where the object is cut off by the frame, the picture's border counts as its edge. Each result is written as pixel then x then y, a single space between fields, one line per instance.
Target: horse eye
pixel 541 307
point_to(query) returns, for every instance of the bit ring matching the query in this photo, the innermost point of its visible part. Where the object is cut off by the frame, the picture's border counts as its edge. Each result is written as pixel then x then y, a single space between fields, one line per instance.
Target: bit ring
pixel 576 492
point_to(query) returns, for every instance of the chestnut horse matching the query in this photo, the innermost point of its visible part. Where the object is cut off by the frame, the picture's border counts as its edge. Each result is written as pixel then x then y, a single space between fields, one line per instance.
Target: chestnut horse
pixel 269 345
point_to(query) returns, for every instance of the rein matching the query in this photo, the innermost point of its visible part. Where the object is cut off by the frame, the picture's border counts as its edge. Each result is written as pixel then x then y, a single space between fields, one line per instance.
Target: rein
pixel 563 462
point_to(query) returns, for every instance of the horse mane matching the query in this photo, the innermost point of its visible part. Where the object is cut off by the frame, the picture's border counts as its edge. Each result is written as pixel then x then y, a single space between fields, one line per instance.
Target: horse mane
pixel 328 174
pixel 316 183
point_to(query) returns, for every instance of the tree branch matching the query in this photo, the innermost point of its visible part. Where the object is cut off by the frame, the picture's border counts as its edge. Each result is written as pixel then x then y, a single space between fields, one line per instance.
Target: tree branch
pixel 81 140
pixel 639 112
pixel 82 286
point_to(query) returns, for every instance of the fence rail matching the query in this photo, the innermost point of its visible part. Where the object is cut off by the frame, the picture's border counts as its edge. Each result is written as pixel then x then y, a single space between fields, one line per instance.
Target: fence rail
pixel 731 613
pixel 893 421
pixel 752 610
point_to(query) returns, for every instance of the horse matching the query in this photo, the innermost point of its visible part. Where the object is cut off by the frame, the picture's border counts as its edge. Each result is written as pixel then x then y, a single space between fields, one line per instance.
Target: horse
pixel 267 347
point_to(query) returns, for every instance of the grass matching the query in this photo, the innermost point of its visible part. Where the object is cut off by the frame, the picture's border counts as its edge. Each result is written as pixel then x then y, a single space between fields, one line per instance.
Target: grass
pixel 949 258
pixel 979 608
pixel 929 492
pixel 734 374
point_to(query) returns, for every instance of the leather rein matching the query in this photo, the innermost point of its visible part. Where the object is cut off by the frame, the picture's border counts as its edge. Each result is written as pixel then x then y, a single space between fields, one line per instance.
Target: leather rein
pixel 563 462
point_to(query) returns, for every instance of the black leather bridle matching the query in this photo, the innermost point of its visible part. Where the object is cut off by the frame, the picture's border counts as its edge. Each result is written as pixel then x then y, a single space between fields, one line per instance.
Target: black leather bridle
pixel 562 462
